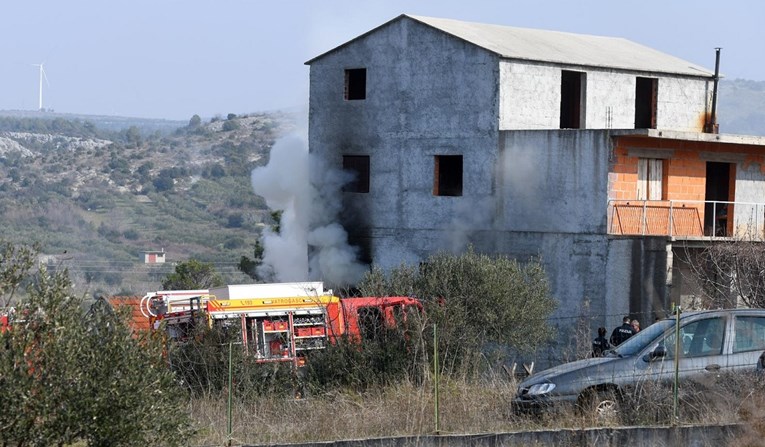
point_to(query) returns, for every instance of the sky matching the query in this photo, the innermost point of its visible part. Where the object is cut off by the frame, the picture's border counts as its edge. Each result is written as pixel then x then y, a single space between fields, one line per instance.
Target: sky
pixel 172 59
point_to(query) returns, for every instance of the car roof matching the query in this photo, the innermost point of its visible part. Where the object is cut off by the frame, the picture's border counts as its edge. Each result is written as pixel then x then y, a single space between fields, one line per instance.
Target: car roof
pixel 721 312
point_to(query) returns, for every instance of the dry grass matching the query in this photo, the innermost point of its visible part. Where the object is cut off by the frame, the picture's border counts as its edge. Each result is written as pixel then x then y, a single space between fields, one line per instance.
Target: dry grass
pixel 403 409
pixel 467 407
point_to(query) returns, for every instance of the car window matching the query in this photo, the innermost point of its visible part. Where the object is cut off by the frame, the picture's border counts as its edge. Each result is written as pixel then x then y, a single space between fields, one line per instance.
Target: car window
pixel 749 334
pixel 637 342
pixel 697 339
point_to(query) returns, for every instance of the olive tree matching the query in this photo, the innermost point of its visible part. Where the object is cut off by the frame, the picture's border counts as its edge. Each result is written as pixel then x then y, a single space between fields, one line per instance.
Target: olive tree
pixel 16 262
pixel 481 304
pixel 69 374
pixel 192 274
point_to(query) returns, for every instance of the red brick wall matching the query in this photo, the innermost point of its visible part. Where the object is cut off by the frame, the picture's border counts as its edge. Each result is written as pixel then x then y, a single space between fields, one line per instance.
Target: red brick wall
pixel 684 174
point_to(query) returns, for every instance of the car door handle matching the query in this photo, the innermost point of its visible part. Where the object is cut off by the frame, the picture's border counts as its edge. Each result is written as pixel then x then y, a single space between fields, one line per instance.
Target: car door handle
pixel 713 367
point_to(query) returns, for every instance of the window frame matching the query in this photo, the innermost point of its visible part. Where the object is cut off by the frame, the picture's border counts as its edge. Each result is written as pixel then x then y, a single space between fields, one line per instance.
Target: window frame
pixel 573 99
pixel 646 102
pixel 355 84
pixel 447 182
pixel 740 319
pixel 359 166
pixel 651 171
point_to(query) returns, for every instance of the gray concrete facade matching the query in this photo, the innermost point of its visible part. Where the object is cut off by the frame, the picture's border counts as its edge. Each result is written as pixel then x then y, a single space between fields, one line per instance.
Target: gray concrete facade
pixel 529 189
pixel 530 98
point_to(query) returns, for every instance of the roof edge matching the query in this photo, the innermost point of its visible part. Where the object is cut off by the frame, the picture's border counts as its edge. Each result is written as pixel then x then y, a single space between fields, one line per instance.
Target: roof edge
pixel 344 44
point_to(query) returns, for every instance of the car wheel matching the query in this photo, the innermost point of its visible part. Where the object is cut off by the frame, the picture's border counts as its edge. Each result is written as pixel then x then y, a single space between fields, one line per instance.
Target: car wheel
pixel 603 406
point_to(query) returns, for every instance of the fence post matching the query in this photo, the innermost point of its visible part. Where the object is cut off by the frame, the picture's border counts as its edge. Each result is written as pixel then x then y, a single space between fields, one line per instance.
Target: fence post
pixel 669 230
pixel 230 380
pixel 645 217
pixel 675 400
pixel 435 377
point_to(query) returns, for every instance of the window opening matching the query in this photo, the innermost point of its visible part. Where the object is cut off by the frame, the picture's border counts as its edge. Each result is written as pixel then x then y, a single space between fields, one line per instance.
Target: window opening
pixel 646 92
pixel 572 85
pixel 358 165
pixel 716 214
pixel 355 84
pixel 650 185
pixel 447 175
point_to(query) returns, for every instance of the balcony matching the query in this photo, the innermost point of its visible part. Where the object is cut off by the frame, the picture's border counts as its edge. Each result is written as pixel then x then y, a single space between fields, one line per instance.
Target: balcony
pixel 687 219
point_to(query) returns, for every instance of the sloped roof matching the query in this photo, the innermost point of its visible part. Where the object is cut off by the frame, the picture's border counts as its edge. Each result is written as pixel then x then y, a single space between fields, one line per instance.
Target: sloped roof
pixel 557 47
pixel 138 321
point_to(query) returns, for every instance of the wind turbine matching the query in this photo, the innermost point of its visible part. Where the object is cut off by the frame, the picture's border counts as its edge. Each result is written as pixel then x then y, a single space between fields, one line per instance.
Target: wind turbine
pixel 42 75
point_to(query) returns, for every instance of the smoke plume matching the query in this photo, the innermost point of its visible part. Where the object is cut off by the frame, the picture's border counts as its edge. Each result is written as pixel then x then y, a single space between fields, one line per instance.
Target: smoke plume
pixel 311 244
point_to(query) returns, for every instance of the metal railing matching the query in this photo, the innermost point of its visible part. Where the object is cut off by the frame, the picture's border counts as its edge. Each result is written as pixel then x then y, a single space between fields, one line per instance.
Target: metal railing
pixel 687 219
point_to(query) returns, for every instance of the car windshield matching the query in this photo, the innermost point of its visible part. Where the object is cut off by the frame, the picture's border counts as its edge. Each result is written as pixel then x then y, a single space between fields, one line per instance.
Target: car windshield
pixel 637 342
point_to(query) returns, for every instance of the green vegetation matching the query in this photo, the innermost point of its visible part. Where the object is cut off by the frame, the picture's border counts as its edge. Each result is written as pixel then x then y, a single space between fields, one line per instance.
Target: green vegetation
pixel 383 385
pixel 481 304
pixel 95 200
pixel 70 374
pixel 191 275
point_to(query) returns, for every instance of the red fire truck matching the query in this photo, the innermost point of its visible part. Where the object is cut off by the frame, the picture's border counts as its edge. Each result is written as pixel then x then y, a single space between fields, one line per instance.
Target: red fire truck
pixel 279 322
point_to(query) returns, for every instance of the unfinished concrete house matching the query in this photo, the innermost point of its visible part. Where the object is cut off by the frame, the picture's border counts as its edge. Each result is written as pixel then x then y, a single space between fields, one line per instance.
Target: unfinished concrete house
pixel 588 152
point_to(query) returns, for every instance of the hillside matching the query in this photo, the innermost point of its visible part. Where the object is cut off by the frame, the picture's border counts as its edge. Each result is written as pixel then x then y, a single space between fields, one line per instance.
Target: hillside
pixel 97 192
pixel 97 199
pixel 741 107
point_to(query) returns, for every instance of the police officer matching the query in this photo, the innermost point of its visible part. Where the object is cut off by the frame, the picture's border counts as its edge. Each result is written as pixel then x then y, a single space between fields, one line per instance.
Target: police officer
pixel 600 344
pixel 623 332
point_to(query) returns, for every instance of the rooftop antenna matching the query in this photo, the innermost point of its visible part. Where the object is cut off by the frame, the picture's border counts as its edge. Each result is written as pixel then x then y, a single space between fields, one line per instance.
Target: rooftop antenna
pixel 42 75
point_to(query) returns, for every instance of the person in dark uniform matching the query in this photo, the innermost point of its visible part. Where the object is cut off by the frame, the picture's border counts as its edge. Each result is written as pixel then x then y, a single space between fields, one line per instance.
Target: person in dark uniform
pixel 623 332
pixel 600 344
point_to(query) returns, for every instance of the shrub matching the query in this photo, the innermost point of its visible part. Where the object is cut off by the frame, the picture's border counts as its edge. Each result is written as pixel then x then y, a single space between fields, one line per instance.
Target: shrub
pixel 163 183
pixel 230 125
pixel 233 243
pixel 483 306
pixel 202 364
pixel 84 377
pixel 235 220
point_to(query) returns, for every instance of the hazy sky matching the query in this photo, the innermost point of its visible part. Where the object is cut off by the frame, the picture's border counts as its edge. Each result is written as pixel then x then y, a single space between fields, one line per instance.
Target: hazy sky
pixel 175 58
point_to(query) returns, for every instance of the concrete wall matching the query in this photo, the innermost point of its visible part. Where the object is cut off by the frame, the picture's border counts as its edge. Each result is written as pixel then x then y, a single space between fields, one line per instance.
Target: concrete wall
pixel 692 436
pixel 427 94
pixel 637 278
pixel 545 198
pixel 553 181
pixel 749 220
pixel 683 103
pixel 530 98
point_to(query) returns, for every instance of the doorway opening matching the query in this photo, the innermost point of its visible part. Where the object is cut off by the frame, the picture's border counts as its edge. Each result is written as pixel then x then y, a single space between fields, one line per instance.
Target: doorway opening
pixel 717 212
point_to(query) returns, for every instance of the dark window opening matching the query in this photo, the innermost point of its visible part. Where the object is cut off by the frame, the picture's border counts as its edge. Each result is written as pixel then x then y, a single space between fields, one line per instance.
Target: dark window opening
pixel 717 213
pixel 355 84
pixel 358 165
pixel 448 175
pixel 646 91
pixel 571 104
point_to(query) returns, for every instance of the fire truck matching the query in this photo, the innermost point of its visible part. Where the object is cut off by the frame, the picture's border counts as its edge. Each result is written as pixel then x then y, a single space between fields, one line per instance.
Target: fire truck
pixel 5 319
pixel 277 322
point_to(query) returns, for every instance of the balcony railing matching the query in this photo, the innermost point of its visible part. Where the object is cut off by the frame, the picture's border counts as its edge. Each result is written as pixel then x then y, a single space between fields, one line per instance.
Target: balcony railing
pixel 687 219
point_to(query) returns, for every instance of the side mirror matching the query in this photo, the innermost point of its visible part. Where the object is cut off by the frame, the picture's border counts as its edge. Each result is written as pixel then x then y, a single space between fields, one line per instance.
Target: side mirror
pixel 658 353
